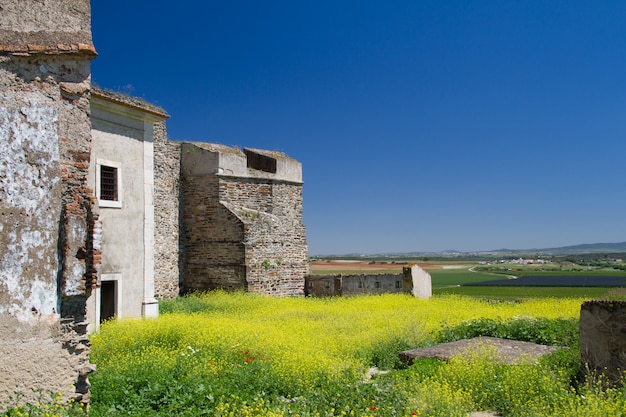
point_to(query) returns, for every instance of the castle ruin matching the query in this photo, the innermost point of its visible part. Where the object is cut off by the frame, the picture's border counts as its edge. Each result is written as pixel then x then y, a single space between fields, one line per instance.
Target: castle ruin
pixel 227 219
pixel 101 215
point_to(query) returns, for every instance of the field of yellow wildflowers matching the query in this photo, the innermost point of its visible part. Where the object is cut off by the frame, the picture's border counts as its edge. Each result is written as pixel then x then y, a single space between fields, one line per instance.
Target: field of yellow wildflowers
pixel 236 354
pixel 222 354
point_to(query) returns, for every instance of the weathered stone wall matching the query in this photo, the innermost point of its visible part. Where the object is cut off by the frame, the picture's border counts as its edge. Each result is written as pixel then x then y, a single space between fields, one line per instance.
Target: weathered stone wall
pixel 602 330
pixel 413 280
pixel 214 249
pixel 45 24
pixel 168 253
pixel 47 221
pixel 275 241
pixel 357 284
pixel 241 231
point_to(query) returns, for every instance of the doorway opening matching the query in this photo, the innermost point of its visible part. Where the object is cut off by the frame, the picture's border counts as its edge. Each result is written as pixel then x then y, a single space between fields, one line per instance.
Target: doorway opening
pixel 108 300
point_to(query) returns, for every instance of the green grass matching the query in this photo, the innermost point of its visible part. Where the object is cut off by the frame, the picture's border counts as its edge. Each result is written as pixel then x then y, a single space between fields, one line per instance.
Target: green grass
pixel 611 273
pixel 440 277
pixel 452 281
pixel 514 293
pixel 221 354
pixel 452 277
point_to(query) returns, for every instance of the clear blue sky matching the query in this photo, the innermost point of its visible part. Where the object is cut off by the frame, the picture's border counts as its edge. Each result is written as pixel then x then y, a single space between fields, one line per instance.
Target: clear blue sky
pixel 421 125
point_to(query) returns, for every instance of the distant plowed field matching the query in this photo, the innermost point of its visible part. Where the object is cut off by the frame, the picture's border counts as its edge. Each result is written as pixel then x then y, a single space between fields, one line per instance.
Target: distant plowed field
pixel 347 266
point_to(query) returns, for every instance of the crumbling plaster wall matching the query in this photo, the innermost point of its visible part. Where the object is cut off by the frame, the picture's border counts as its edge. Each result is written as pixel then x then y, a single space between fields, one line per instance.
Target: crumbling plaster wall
pixel 46 215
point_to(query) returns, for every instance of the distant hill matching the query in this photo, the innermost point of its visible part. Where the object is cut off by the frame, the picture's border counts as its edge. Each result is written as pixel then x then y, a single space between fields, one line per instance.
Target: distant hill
pixel 570 250
pixel 586 248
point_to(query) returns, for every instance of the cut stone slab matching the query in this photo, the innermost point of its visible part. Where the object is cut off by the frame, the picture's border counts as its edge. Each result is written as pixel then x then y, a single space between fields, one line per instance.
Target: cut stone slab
pixel 508 351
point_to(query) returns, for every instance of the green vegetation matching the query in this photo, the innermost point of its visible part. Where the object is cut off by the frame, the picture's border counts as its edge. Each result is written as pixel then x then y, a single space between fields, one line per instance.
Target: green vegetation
pixel 222 354
pixel 47 404
pixel 236 354
pixel 614 294
pixel 517 293
pixel 552 332
pixel 442 278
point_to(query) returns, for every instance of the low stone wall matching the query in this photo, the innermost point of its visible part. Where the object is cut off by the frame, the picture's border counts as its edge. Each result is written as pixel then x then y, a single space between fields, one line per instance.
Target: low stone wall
pixel 603 339
pixel 413 280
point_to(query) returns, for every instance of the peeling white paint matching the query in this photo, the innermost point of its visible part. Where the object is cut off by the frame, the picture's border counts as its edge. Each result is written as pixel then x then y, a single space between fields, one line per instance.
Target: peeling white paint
pixel 29 161
pixel 73 283
pixel 30 294
pixel 30 151
pixel 97 236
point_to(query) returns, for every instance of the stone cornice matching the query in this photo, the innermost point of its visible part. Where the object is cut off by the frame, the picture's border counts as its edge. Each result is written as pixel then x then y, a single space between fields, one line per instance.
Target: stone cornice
pixel 34 49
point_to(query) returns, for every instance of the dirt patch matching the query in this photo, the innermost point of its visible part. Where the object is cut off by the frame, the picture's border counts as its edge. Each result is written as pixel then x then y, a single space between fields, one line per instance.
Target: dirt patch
pixel 365 266
pixel 507 351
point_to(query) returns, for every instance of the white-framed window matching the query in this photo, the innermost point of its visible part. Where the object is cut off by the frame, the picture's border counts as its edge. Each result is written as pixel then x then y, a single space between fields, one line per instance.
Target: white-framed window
pixel 109 183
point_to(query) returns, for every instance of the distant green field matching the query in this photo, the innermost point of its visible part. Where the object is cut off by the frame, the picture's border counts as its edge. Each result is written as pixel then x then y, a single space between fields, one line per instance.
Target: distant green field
pixel 453 277
pixel 447 281
pixel 513 293
pixel 603 272
pixel 450 279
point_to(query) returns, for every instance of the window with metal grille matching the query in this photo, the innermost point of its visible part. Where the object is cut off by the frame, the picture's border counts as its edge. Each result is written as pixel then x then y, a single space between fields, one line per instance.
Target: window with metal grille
pixel 108 183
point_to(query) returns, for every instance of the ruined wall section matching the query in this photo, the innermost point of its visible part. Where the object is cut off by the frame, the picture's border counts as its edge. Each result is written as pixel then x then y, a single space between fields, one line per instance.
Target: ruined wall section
pixel 168 251
pixel 276 253
pixel 46 216
pixel 413 280
pixel 214 249
pixel 358 284
pixel 242 217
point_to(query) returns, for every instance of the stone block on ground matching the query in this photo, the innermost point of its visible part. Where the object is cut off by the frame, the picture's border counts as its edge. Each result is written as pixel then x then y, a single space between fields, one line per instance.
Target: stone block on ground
pixel 507 351
pixel 602 329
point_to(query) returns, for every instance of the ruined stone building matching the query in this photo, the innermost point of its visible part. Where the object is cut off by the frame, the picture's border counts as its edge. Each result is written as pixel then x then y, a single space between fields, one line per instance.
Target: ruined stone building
pixel 242 216
pixel 46 208
pixel 101 215
pixel 227 218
